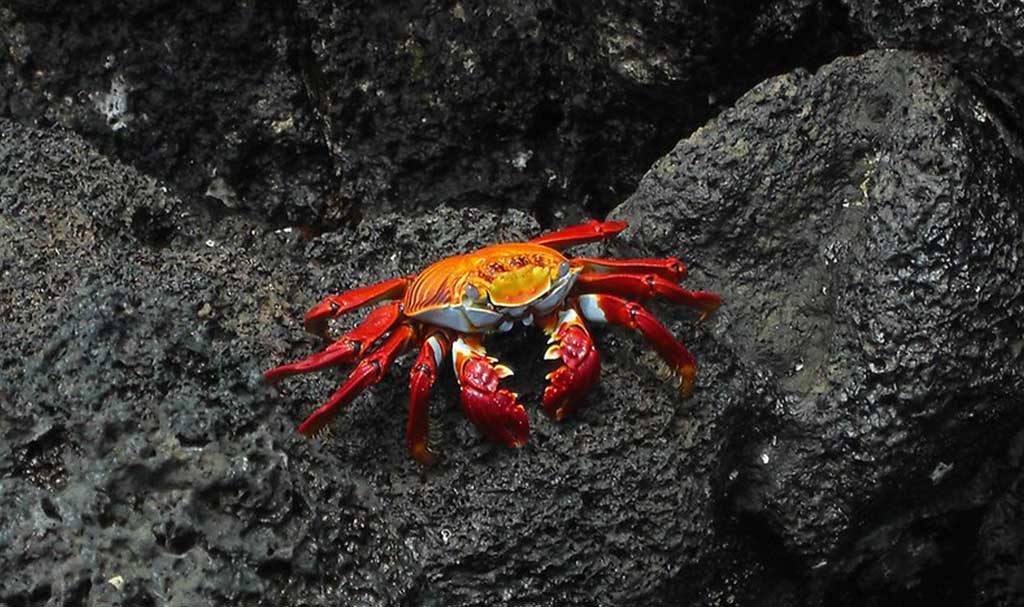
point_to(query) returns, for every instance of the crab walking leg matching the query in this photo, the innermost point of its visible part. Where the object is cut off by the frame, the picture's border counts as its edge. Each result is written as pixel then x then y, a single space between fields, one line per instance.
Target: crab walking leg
pixel 424 371
pixel 644 286
pixel 369 371
pixel 613 310
pixel 346 349
pixel 494 411
pixel 581 364
pixel 591 231
pixel 334 306
pixel 668 268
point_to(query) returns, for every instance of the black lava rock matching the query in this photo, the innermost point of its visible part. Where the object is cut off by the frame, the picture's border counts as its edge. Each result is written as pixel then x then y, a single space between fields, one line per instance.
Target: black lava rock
pixel 179 183
pixel 864 227
pixel 986 39
pixel 523 103
pixel 316 112
pixel 208 96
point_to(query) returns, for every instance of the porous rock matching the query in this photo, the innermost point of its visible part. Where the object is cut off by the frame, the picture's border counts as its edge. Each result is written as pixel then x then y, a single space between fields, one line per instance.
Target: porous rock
pixel 863 225
pixel 143 461
pixel 985 39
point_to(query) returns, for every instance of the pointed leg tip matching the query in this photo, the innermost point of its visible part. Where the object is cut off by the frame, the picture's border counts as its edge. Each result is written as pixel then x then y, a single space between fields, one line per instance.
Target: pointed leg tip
pixel 313 426
pixel 687 376
pixel 422 454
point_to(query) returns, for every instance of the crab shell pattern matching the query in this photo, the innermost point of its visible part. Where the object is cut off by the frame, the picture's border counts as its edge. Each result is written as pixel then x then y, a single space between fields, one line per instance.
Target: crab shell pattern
pixel 448 307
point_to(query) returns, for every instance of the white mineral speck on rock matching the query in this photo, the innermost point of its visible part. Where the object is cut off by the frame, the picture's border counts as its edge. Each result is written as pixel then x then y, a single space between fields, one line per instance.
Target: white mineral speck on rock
pixel 114 105
pixel 521 159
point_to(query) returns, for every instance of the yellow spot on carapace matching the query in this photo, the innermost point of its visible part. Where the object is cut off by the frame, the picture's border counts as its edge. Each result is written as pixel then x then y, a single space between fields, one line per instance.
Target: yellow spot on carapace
pixel 521 286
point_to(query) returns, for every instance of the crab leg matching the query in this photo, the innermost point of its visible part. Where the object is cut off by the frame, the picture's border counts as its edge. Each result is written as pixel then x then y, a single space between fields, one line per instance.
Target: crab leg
pixel 668 268
pixel 494 411
pixel 346 349
pixel 581 364
pixel 613 310
pixel 424 371
pixel 644 286
pixel 334 306
pixel 591 231
pixel 369 371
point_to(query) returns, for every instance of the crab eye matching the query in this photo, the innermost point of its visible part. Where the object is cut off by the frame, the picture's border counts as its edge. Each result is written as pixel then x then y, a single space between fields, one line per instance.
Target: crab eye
pixel 563 269
pixel 472 293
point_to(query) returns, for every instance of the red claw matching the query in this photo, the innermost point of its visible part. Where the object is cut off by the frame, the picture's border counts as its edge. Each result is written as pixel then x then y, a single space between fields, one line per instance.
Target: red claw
pixel 581 365
pixel 493 410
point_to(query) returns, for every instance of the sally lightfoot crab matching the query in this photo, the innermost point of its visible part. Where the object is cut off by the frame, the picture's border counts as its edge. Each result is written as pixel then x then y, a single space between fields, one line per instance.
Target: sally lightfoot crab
pixel 450 306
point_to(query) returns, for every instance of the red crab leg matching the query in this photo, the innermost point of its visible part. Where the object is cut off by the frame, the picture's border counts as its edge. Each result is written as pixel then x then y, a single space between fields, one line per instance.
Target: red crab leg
pixel 369 371
pixel 668 268
pixel 334 306
pixel 348 348
pixel 591 231
pixel 424 371
pixel 613 310
pixel 494 411
pixel 644 286
pixel 581 364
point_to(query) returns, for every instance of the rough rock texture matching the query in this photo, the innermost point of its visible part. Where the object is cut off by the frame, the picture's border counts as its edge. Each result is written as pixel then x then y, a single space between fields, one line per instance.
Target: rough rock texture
pixel 538 104
pixel 209 96
pixel 315 111
pixel 178 184
pixel 871 260
pixel 985 38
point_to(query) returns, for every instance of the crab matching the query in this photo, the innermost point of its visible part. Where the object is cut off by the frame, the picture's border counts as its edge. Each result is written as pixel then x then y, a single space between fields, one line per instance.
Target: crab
pixel 449 307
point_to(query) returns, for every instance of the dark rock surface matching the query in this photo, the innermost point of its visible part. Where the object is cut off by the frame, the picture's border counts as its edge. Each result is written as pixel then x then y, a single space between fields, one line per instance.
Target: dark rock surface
pixel 316 111
pixel 209 95
pixel 540 104
pixel 178 184
pixel 871 257
pixel 985 38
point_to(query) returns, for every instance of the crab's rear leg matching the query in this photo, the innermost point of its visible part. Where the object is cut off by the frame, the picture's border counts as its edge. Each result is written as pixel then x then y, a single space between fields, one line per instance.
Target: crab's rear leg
pixel 369 371
pixel 591 231
pixel 346 349
pixel 493 410
pixel 581 364
pixel 334 306
pixel 642 287
pixel 613 310
pixel 434 349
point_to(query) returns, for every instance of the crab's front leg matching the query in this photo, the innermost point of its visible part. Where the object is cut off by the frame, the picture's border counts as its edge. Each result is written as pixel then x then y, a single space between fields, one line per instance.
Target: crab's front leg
pixel 347 348
pixel 370 370
pixel 334 306
pixel 581 364
pixel 434 349
pixel 493 410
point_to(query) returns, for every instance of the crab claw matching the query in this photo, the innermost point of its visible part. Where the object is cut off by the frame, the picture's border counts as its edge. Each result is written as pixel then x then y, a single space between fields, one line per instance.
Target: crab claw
pixel 493 410
pixel 581 364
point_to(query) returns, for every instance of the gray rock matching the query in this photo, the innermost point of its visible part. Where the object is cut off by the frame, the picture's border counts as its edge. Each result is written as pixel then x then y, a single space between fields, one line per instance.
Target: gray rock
pixel 863 225
pixel 537 105
pixel 208 97
pixel 142 460
pixel 318 113
pixel 985 38
pixel 854 437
